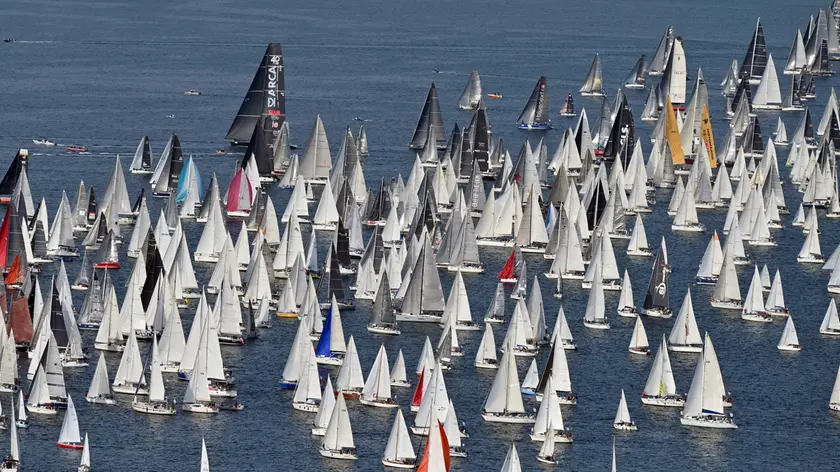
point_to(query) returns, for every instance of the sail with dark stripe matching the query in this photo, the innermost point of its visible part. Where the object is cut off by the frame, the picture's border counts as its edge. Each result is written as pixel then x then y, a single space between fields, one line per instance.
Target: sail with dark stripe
pixel 622 134
pixel 266 97
pixel 260 148
pixel 660 57
pixel 9 182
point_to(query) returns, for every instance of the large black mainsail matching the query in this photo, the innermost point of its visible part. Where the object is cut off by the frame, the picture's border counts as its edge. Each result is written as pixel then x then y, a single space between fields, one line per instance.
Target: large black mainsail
pixel 755 61
pixel 535 113
pixel 430 118
pixel 260 148
pixel 481 141
pixel 622 133
pixel 266 97
pixel 9 182
pixel 657 293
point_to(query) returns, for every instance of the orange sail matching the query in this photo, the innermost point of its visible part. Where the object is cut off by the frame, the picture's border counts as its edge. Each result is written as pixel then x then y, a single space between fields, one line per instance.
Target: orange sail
pixel 707 137
pixel 672 134
pixel 436 455
pixel 15 275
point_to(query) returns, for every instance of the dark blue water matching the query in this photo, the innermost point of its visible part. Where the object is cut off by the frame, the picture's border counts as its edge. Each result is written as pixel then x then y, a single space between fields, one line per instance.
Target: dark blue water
pixel 103 74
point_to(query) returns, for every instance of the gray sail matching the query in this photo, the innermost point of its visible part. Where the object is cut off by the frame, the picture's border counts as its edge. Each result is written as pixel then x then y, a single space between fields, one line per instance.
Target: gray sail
pixel 660 57
pixel 383 310
pixel 471 94
pixel 266 97
pixel 430 118
pixel 536 109
pixel 593 84
pixel 636 77
pixel 657 294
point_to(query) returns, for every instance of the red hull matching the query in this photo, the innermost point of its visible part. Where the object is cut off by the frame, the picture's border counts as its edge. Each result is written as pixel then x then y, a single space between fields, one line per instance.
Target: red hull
pixel 107 265
pixel 71 446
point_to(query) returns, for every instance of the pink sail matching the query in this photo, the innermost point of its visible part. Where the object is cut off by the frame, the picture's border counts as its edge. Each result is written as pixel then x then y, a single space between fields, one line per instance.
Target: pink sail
pixel 239 194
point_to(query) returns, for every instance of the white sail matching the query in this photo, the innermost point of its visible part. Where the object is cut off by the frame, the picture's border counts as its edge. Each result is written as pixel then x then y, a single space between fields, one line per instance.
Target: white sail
pixel 378 385
pixel 505 396
pixel 339 431
pixel 100 385
pixel 789 337
pixel 660 381
pixel 205 461
pixel 685 331
pixel 622 415
pixel 639 339
pixel 705 397
pixel 70 427
pixel 325 408
pixel 350 376
pixel 399 448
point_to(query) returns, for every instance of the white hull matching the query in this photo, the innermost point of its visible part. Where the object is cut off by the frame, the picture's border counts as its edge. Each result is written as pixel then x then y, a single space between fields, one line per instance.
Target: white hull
pixel 130 390
pixel 813 259
pixel 698 228
pixel 398 465
pixel 306 406
pixel 708 422
pixel 757 317
pixel 212 258
pixel 324 227
pixel 421 318
pixel 101 400
pixel 625 427
pixel 509 419
pixel 640 253
pixel 685 348
pixel 153 409
pixel 200 408
pixel 378 403
pixel 671 402
pixel 486 365
pixel 790 348
pixel 596 325
pixel 319 431
pixel 494 243
pixel 627 312
pixel 330 360
pixel 735 305
pixel 471 269
pixel 383 330
pixel 42 410
pixel 830 332
pixel 560 437
pixel 331 454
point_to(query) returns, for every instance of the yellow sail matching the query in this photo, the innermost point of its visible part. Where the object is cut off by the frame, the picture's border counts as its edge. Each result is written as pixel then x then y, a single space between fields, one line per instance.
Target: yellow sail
pixel 707 137
pixel 672 134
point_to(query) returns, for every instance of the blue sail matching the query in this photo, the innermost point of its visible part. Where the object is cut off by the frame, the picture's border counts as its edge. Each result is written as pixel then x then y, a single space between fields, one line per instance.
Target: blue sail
pixel 188 172
pixel 323 347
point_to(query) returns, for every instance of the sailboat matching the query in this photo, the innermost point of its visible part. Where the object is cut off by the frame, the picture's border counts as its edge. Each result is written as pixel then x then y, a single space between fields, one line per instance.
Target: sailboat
pixel 593 85
pixel 142 162
pixel 834 402
pixel 546 454
pixel 831 321
pixel 398 375
pixel 594 317
pixel 727 294
pixel 377 390
pixel 684 336
pixel 636 78
pixel 789 340
pixel 157 403
pixel 11 463
pixel 549 416
pixel 325 409
pixel 755 60
pixel 197 396
pixel 711 264
pixel 430 122
pixel 535 114
pixel 264 102
pixel 704 405
pixel 496 309
pixel 205 461
pixel 129 378
pixel 382 318
pixel 485 357
pixel 504 402
pixel 511 463
pixel 811 252
pixel 568 108
pixel 399 453
pixel 626 307
pixel 657 303
pixel 753 309
pixel 775 305
pixel 100 386
pixel 331 346
pixel 639 340
pixel 70 438
pixel 622 421
pixel 22 421
pixel 638 245
pixel 471 94
pixel 338 440
pixel 660 388
pixel 84 465
pixel 307 395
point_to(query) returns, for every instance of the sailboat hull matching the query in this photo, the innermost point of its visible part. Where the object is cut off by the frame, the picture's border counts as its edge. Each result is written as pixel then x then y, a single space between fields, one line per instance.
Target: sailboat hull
pixel 734 305
pixel 642 351
pixel 757 317
pixel 419 318
pixel 790 348
pixel 42 409
pixel 101 400
pixel 509 419
pixel 534 126
pixel 625 427
pixel 130 390
pixel 487 364
pixel 394 464
pixel 596 325
pixel 666 401
pixel 71 445
pixel 153 408
pixel 708 422
pixel 560 437
pixel 400 383
pixel 685 347
pixel 307 406
pixel 387 403
pixel 200 408
pixel 338 454
pixel 388 330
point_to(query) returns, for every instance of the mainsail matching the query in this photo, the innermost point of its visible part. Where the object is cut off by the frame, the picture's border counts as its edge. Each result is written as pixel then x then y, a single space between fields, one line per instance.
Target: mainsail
pixel 430 120
pixel 755 60
pixel 266 97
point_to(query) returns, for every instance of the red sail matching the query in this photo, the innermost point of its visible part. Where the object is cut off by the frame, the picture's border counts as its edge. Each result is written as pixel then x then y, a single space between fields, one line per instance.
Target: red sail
pixel 507 271
pixel 418 390
pixel 4 237
pixel 15 275
pixel 20 322
pixel 444 442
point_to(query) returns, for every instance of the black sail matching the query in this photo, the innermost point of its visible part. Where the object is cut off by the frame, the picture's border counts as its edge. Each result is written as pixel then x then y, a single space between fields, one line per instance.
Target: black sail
pixel 755 60
pixel 430 117
pixel 266 97
pixel 622 133
pixel 260 148
pixel 59 328
pixel 9 182
pixel 657 293
pixel 481 142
